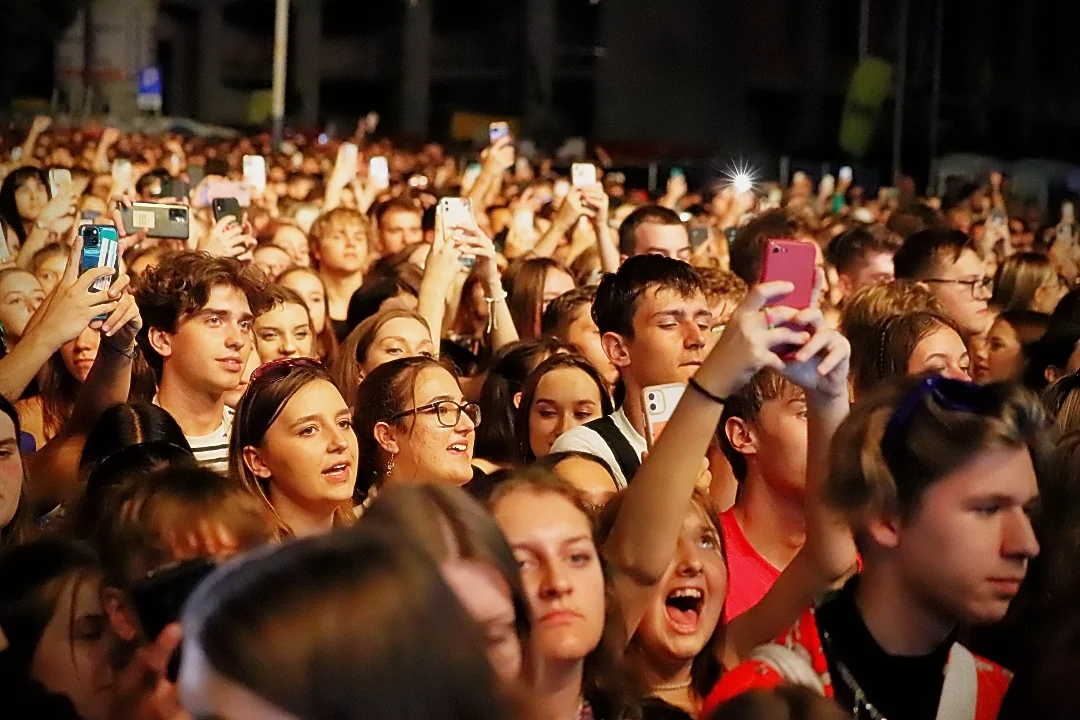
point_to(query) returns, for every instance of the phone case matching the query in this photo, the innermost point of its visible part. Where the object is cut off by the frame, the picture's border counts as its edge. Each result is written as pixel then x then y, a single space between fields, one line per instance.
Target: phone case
pixel 794 261
pixel 158 219
pixel 498 130
pixel 224 207
pixel 255 172
pixel 583 174
pixel 101 248
pixel 660 403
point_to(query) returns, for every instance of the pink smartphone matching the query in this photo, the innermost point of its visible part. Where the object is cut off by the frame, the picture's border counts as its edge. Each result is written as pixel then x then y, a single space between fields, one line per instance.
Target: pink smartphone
pixel 660 403
pixel 796 262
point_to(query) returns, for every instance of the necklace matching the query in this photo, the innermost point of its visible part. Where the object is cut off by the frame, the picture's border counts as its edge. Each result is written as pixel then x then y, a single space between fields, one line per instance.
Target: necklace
pixel 862 704
pixel 672 686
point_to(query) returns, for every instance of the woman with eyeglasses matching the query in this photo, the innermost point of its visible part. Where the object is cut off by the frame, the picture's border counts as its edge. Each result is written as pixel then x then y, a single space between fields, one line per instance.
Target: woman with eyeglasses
pixel 414 426
pixel 294 447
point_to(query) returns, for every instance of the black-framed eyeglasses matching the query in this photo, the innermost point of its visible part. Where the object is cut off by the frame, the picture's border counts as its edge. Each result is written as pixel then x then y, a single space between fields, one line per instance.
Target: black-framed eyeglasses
pixel 948 394
pixel 277 369
pixel 983 284
pixel 448 412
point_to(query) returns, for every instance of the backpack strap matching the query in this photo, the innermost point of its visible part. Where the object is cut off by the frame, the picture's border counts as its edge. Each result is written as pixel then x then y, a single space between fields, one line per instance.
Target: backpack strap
pixel 624 452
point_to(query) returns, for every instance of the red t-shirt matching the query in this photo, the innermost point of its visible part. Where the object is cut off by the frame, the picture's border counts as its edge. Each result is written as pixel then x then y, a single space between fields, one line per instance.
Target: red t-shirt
pixel 749 574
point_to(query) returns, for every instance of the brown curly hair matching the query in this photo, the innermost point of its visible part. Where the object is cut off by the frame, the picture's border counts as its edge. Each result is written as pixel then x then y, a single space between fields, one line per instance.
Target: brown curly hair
pixel 179 287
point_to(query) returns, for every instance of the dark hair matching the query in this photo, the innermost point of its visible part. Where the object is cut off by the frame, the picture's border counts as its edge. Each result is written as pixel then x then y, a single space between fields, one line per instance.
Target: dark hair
pixel 1062 402
pixel 746 404
pixel 563 310
pixel 1018 277
pixel 59 390
pixel 21 525
pixel 172 291
pixel 747 250
pixel 142 518
pixel 396 205
pixel 327 339
pixel 1068 308
pixel 447 523
pixel 551 460
pixel 1052 350
pixel 510 368
pixel 888 347
pixel 924 252
pixel 913 218
pixel 388 390
pixel 524 284
pixel 787 702
pixel 848 250
pixel 606 684
pixel 619 293
pixel 259 407
pixel 9 208
pixel 144 183
pixel 284 624
pixel 644 215
pixel 34 575
pixel 935 442
pixel 555 362
pixel 369 297
pixel 354 351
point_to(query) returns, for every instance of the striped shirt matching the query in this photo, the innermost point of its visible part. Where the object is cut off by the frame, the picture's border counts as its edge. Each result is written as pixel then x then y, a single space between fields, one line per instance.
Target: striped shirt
pixel 212 451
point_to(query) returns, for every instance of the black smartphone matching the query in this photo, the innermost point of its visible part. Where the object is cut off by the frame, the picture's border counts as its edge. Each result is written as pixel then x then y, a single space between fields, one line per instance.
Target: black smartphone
pixel 226 207
pixel 175 188
pixel 698 237
pixel 195 174
pixel 160 596
pixel 159 220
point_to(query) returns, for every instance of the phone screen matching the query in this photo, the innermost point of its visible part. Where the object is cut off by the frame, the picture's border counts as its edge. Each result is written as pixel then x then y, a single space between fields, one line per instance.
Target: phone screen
pixel 379 170
pixel 255 172
pixel 101 248
pixel 497 131
pixel 456 212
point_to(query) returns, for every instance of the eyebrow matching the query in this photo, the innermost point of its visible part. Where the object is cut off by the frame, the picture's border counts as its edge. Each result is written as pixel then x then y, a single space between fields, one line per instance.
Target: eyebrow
pixel 225 313
pixel 438 398
pixel 10 442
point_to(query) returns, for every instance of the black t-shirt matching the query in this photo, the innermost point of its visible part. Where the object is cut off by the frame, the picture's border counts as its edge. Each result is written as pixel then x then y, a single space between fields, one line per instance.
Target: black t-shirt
pixel 653 708
pixel 899 687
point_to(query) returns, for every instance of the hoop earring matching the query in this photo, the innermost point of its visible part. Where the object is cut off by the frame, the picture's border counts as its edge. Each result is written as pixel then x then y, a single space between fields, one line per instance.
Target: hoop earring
pixel 390 465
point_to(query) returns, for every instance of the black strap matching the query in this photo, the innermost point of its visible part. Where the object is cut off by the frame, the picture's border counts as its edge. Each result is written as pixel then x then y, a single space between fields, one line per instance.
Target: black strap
pixel 624 452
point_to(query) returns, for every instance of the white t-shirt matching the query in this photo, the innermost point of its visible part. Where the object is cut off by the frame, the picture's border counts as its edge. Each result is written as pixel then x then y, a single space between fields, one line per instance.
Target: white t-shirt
pixel 587 440
pixel 212 451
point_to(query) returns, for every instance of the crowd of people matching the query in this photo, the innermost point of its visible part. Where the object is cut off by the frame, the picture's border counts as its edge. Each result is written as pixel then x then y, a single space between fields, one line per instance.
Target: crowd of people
pixel 346 454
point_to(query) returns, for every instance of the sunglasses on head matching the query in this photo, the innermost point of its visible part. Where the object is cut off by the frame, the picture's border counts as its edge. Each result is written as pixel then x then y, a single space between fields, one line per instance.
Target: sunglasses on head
pixel 280 368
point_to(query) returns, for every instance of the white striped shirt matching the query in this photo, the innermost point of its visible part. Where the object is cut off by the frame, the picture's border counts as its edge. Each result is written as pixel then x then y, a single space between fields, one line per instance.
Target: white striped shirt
pixel 212 451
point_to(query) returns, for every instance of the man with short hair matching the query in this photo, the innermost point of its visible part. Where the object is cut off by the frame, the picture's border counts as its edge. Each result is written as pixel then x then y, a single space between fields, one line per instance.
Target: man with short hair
pixel 400 223
pixel 653 321
pixel 569 318
pixel 945 261
pixel 747 250
pixel 654 230
pixel 198 311
pixel 862 257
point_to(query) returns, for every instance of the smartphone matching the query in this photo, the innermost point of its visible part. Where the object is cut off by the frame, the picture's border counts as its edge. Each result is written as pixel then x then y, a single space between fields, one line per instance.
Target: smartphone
pixel 101 248
pixel 226 207
pixel 122 176
pixel 159 220
pixel 195 174
pixel 213 189
pixel 676 172
pixel 497 131
pixel 350 152
pixel 796 262
pixel 1068 214
pixel 583 174
pixel 16 154
pixel 698 236
pixel 160 596
pixel 660 403
pixel 379 172
pixel 456 212
pixel 255 172
pixel 846 174
pixel 59 182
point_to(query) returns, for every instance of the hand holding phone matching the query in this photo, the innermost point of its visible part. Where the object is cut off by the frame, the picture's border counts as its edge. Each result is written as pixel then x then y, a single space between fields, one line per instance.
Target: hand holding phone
pixel 583 174
pixel 454 213
pixel 100 249
pixel 793 261
pixel 660 403
pixel 227 207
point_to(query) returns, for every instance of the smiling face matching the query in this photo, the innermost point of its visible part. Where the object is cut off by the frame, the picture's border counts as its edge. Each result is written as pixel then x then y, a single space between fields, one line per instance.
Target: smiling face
pixel 686 607
pixel 565 398
pixel 283 332
pixel 309 454
pixel 553 543
pixel 424 449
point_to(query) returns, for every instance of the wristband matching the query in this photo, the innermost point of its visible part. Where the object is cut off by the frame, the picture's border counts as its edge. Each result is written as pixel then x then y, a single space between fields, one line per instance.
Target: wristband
pixel 692 382
pixel 493 323
pixel 131 354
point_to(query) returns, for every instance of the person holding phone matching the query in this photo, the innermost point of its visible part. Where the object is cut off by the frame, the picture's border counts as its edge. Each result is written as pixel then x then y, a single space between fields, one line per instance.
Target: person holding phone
pixel 29 212
pixel 199 314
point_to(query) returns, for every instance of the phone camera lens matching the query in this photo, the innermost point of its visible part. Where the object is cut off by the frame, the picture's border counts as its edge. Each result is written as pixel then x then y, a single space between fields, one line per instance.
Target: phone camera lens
pixel 776 249
pixel 653 407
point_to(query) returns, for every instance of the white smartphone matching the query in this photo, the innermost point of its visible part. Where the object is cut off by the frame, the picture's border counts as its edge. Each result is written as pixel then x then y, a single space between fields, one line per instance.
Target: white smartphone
pixel 59 182
pixel 350 151
pixel 122 176
pixel 583 174
pixel 379 172
pixel 456 212
pixel 255 172
pixel 497 131
pixel 660 403
pixel 846 174
pixel 5 250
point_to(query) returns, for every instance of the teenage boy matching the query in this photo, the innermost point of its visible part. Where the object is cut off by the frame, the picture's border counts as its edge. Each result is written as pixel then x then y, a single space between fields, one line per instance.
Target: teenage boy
pixel 339 243
pixel 945 261
pixel 763 435
pixel 654 230
pixel 654 323
pixel 569 318
pixel 937 478
pixel 862 257
pixel 198 312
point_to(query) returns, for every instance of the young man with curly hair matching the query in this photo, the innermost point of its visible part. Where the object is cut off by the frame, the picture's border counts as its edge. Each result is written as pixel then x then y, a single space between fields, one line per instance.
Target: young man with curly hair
pixel 198 312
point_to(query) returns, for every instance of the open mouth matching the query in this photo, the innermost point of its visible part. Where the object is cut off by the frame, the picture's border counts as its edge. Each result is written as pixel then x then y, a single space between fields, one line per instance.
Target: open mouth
pixel 683 607
pixel 459 448
pixel 337 473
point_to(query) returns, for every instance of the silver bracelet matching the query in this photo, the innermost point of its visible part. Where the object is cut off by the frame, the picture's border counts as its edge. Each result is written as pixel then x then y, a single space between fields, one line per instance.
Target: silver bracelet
pixel 493 323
